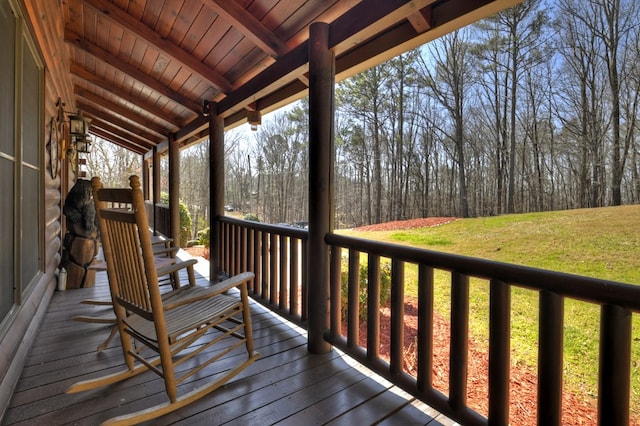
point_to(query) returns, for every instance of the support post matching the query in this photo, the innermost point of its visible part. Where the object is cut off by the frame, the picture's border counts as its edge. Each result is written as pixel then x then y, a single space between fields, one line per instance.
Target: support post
pixel 155 179
pixel 321 181
pixel 174 190
pixel 216 188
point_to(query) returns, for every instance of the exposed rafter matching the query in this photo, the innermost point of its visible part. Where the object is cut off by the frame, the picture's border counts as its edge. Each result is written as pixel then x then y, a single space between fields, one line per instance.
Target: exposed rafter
pixel 121 133
pixel 126 143
pixel 247 24
pixel 128 126
pixel 122 111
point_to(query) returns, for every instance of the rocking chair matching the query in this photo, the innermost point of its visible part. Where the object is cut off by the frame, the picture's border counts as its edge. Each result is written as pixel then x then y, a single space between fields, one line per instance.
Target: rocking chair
pixel 164 326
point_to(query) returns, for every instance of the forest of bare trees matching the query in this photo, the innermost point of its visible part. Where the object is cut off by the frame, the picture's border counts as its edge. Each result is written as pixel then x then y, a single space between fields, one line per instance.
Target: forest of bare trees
pixel 533 109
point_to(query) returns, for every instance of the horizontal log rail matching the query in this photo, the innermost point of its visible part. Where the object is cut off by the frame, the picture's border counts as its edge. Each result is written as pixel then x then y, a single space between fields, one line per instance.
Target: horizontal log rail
pixel 277 255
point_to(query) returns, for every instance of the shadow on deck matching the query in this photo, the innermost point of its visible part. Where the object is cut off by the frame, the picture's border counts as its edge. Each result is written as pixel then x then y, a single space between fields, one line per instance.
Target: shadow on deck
pixel 286 386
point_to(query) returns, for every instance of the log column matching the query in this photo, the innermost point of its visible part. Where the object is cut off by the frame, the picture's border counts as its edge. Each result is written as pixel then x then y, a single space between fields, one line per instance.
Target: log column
pixel 216 188
pixel 321 181
pixel 174 190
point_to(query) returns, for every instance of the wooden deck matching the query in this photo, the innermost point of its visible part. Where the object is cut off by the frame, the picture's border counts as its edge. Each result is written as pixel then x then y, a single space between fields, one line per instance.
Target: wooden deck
pixel 286 386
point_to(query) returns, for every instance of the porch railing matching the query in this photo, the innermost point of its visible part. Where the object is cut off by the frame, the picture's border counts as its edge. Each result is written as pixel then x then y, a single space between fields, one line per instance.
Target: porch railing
pixel 277 255
pixel 160 222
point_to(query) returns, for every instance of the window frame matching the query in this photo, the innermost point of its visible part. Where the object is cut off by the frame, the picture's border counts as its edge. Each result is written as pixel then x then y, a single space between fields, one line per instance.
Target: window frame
pixel 27 61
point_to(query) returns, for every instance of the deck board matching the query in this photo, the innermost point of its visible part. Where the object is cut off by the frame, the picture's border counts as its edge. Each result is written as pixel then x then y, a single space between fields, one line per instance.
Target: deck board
pixel 285 386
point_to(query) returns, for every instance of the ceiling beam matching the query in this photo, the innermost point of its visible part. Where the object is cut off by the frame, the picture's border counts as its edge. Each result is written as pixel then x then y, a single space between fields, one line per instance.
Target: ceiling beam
pixel 124 112
pixel 93 79
pixel 362 43
pixel 288 68
pixel 247 24
pixel 120 132
pixel 139 29
pixel 105 56
pixel 356 25
pixel 131 127
pixel 421 20
pixel 366 19
pixel 119 141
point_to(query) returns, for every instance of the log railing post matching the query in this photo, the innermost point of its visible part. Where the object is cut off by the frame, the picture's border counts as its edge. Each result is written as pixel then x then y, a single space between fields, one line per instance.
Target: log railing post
pixel 321 157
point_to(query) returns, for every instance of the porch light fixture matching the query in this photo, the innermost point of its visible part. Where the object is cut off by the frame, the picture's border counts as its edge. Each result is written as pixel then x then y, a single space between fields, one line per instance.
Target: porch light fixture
pixel 79 131
pixel 206 109
pixel 254 119
pixel 83 143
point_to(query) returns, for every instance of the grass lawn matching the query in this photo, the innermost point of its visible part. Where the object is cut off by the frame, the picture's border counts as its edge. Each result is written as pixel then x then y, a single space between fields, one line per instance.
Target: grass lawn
pixel 601 243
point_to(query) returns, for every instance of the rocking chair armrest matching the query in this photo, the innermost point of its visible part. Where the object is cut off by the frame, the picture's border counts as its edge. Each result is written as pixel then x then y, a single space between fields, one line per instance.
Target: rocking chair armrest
pixel 155 241
pixel 169 251
pixel 190 295
pixel 231 282
pixel 174 267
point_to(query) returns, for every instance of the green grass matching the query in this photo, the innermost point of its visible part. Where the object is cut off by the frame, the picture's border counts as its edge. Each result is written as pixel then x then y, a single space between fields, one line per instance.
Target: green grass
pixel 602 243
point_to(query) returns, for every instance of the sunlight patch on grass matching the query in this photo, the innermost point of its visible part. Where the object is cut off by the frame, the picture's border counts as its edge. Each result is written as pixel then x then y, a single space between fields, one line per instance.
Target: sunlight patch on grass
pixel 420 239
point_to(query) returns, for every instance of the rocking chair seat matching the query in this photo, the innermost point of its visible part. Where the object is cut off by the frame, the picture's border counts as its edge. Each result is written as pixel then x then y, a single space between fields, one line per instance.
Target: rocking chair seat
pixel 183 318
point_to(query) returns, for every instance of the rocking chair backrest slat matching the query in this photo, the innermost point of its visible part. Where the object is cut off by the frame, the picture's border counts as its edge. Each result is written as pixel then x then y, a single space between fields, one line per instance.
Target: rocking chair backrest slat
pixel 127 247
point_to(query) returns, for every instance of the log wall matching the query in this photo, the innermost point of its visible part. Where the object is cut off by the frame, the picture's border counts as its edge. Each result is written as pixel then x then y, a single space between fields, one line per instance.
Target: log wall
pixel 44 20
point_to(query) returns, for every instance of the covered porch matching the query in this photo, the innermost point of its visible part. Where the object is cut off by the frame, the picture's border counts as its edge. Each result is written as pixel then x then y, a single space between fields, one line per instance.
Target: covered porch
pixel 302 375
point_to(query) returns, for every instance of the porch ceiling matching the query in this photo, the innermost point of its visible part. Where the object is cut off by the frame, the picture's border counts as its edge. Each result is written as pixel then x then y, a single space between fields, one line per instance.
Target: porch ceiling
pixel 142 69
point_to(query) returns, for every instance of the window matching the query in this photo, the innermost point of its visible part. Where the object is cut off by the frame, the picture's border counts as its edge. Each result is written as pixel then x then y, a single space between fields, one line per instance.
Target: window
pixel 21 159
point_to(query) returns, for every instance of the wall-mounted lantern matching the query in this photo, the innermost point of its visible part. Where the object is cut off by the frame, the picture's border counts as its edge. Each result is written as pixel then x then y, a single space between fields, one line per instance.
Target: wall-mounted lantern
pixel 79 131
pixel 254 119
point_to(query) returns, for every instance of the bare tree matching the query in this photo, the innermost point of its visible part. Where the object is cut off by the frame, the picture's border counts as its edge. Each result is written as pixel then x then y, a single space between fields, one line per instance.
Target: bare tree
pixel 449 82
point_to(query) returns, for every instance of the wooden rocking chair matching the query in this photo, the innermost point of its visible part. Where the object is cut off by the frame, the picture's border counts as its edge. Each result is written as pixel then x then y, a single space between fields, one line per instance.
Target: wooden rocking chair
pixel 164 325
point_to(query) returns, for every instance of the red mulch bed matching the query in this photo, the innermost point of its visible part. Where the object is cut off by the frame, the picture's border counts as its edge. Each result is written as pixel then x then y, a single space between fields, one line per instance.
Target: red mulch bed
pixel 198 251
pixel 577 410
pixel 407 224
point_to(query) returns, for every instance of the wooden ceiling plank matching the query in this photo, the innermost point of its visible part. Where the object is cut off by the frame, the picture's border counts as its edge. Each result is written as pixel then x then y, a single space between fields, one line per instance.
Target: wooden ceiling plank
pixel 189 31
pixel 172 12
pixel 154 39
pixel 230 44
pixel 89 77
pixel 251 27
pixel 102 55
pixel 329 15
pixel 130 127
